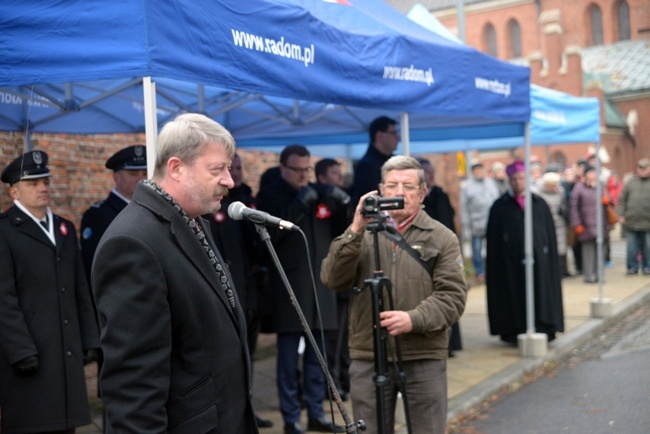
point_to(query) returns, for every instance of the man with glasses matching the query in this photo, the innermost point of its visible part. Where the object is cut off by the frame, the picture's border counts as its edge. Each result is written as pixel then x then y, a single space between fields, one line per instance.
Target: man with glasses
pixel 291 198
pixel 384 138
pixel 426 304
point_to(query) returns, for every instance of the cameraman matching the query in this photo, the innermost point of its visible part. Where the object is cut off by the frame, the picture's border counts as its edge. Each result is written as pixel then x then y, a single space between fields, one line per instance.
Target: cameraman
pixel 427 305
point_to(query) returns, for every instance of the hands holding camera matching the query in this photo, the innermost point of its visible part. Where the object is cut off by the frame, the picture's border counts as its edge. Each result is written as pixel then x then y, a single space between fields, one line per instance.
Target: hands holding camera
pixel 361 219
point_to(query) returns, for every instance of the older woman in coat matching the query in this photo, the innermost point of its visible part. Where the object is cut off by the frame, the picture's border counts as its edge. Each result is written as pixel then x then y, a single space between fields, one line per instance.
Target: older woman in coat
pixel 584 206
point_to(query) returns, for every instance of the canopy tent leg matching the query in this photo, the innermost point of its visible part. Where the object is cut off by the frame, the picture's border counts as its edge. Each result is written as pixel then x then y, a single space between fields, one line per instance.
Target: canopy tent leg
pixel 404 133
pixel 530 344
pixel 150 122
pixel 600 307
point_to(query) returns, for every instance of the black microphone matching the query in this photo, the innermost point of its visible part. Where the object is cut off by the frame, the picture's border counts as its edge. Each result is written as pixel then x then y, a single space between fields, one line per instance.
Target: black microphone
pixel 238 211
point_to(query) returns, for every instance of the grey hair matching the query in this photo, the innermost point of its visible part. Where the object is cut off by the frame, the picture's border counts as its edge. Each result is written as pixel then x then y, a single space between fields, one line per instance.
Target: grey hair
pixel 403 162
pixel 186 137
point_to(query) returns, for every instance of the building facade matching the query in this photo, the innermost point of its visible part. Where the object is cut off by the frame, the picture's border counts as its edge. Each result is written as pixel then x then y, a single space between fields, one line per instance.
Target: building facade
pixel 598 48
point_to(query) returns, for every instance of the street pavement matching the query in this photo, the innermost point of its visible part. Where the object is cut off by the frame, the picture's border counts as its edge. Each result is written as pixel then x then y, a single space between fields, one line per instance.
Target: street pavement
pixel 485 366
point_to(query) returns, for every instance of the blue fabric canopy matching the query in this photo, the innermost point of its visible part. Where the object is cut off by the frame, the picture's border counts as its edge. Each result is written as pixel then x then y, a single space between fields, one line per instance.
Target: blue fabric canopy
pixel 267 69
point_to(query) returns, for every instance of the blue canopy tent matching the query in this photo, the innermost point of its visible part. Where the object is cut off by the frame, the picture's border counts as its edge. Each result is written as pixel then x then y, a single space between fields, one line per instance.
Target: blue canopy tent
pixel 264 67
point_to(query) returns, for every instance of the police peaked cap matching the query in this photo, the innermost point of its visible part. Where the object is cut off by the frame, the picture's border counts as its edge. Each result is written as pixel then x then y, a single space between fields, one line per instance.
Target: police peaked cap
pixel 30 165
pixel 131 158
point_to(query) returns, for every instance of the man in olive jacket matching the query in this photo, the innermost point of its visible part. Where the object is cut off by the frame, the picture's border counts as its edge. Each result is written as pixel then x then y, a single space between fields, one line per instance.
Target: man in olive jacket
pixel 425 305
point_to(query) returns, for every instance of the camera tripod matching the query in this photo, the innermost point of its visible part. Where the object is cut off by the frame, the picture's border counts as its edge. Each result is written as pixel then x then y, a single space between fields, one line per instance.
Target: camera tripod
pixel 377 285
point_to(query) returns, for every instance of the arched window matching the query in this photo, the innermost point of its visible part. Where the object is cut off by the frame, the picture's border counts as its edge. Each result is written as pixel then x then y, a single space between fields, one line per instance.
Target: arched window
pixel 623 13
pixel 514 30
pixel 596 18
pixel 490 40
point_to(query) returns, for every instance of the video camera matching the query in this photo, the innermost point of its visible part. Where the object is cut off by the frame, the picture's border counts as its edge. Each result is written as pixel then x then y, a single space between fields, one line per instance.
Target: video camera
pixel 373 204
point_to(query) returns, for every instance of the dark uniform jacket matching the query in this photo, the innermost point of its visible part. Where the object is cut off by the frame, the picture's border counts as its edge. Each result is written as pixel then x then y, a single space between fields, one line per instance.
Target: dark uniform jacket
pixel 280 199
pixel 506 273
pixel 45 310
pixel 175 355
pixel 94 223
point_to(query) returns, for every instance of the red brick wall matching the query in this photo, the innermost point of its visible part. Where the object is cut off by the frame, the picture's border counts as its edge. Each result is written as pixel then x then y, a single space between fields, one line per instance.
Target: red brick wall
pixel 79 177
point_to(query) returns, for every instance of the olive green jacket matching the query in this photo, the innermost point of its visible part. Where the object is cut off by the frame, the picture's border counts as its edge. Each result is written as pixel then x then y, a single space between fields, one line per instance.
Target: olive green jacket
pixel 434 304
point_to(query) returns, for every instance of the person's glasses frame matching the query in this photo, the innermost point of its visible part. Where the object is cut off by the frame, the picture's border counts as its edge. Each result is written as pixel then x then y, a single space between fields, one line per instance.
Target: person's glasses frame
pixel 408 188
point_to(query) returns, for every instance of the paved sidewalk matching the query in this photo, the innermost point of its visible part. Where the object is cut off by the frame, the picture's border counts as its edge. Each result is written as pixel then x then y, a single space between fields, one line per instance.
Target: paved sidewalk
pixel 485 365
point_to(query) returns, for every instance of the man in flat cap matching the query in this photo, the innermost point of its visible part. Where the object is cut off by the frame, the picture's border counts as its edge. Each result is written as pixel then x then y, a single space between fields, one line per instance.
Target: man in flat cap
pixel 505 269
pixel 48 327
pixel 129 166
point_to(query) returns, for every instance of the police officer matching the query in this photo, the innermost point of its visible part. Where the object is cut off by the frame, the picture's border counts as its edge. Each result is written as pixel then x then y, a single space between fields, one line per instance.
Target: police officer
pixel 48 327
pixel 129 166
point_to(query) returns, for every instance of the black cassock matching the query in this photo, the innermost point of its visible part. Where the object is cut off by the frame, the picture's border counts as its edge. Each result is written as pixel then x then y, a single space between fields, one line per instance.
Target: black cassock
pixel 506 274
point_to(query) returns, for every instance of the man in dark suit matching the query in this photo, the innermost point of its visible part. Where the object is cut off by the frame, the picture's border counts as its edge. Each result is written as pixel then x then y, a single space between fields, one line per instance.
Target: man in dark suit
pixel 129 166
pixel 172 328
pixel 48 327
pixel 438 206
pixel 291 198
pixel 236 240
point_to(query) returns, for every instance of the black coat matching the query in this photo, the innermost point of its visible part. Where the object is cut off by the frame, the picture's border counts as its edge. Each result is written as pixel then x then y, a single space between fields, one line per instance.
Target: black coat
pixel 281 200
pixel 175 354
pixel 46 310
pixel 94 223
pixel 437 205
pixel 236 243
pixel 506 274
pixel 367 173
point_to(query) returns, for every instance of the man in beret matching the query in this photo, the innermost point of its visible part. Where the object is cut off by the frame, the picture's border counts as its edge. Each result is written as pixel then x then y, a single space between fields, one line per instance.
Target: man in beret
pixel 48 327
pixel 505 268
pixel 129 166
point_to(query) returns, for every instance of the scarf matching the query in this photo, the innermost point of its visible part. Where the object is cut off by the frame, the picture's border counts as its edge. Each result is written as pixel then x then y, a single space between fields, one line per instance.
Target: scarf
pixel 197 230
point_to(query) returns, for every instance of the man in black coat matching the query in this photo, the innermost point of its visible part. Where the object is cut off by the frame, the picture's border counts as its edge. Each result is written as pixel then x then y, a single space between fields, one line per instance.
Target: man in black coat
pixel 48 327
pixel 438 206
pixel 291 198
pixel 173 332
pixel 384 138
pixel 129 166
pixel 237 241
pixel 506 272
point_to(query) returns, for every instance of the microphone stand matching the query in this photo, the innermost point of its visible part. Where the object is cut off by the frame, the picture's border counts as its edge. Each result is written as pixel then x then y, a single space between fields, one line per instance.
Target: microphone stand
pixel 350 426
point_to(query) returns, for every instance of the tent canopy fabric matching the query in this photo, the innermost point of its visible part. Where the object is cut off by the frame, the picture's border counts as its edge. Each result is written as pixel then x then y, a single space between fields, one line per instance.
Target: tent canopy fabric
pixel 267 69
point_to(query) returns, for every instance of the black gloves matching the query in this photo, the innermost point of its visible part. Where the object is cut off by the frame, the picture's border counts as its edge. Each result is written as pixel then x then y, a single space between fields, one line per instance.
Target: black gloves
pixel 337 194
pixel 91 355
pixel 307 195
pixel 26 366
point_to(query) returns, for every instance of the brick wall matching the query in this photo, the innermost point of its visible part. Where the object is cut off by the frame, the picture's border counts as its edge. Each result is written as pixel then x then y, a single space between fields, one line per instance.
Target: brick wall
pixel 79 177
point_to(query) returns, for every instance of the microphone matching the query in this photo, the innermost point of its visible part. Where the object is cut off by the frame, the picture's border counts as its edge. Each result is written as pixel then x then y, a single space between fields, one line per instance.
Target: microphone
pixel 238 211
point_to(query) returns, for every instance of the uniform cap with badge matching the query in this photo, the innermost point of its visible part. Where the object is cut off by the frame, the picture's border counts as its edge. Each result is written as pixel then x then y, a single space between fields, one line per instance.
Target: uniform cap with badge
pixel 30 165
pixel 130 158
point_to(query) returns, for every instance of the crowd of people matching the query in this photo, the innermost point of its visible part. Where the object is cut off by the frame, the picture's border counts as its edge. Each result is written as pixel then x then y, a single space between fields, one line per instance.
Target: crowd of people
pixel 167 291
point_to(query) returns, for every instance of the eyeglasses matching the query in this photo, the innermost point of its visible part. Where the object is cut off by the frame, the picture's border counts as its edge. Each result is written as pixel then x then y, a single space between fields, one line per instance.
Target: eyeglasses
pixel 392 186
pixel 300 169
pixel 393 132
